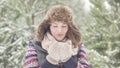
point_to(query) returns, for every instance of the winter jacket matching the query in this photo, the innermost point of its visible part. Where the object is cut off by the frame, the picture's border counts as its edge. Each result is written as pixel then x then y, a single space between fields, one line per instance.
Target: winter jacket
pixel 35 58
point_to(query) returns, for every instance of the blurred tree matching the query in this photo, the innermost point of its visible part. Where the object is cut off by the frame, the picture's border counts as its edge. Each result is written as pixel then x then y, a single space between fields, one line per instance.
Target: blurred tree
pixel 102 34
pixel 16 28
pixel 18 23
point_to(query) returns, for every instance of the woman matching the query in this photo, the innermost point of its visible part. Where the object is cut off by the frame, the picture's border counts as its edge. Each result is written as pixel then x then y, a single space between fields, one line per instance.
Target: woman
pixel 58 42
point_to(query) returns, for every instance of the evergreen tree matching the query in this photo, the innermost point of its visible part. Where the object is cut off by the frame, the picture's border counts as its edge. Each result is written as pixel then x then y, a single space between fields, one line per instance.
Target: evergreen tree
pixel 103 34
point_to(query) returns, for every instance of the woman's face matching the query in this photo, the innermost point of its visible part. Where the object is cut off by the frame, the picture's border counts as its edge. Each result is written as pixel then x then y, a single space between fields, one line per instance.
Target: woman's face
pixel 58 30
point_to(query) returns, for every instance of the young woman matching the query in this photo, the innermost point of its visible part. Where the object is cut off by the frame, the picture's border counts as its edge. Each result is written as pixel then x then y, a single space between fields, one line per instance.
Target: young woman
pixel 58 42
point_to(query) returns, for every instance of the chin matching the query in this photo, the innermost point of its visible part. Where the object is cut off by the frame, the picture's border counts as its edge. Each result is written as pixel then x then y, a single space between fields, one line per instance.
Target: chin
pixel 60 39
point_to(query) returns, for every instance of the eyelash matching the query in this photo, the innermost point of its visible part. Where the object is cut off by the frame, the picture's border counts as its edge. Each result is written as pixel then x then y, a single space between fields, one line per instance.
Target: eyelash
pixel 54 26
pixel 64 26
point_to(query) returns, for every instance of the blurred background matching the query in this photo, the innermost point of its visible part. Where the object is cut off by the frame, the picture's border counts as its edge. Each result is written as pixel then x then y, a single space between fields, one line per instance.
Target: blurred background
pixel 98 20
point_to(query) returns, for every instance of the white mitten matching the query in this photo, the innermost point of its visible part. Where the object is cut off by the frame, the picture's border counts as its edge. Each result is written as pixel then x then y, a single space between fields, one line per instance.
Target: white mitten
pixel 59 52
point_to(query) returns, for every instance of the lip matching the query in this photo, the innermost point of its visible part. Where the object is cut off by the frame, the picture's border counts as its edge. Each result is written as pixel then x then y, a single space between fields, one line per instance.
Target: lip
pixel 59 34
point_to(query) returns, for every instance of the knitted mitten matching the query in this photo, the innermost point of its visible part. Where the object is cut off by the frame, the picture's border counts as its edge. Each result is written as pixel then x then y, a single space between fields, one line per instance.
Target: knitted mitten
pixel 59 52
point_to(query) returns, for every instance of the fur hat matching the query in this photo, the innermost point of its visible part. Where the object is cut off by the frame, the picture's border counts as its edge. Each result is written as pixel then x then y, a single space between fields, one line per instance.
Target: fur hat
pixel 59 13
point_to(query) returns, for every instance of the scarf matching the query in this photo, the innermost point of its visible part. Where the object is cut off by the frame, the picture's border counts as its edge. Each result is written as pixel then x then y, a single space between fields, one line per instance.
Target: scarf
pixel 58 51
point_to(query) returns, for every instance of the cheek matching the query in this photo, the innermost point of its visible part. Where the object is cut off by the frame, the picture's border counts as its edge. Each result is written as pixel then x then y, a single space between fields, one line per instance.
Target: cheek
pixel 65 30
pixel 53 31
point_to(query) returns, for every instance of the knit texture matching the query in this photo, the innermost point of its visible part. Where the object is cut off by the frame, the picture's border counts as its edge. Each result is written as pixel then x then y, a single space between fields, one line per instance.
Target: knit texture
pixel 58 51
pixel 31 59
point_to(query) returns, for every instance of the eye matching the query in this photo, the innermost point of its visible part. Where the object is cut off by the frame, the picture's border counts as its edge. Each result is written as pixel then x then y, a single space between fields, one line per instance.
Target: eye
pixel 55 26
pixel 64 26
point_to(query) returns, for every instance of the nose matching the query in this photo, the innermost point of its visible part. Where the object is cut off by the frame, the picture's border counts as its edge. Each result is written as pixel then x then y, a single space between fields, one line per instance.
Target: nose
pixel 59 29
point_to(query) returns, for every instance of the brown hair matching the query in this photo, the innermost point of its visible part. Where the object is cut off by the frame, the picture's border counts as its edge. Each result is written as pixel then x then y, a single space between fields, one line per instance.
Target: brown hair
pixel 59 13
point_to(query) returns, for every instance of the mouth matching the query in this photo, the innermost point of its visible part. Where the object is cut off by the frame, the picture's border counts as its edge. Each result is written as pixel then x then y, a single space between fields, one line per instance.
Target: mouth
pixel 59 34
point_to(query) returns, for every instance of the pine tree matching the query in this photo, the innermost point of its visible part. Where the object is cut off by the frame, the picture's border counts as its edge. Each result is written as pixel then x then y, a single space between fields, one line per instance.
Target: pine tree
pixel 103 34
